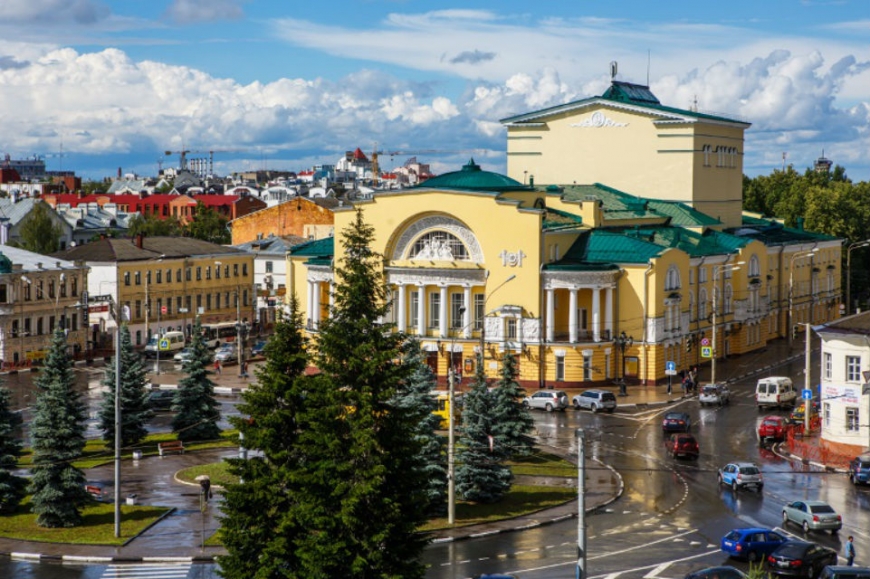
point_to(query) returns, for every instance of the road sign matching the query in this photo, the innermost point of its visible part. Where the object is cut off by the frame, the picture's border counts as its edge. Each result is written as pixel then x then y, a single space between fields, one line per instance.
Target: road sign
pixel 807 394
pixel 705 342
pixel 164 344
pixel 706 352
pixel 182 310
pixel 163 310
pixel 670 368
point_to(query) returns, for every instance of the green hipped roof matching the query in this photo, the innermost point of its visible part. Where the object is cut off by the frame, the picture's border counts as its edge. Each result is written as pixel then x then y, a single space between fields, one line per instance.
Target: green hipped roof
pixel 472 178
pixel 772 232
pixel 620 205
pixel 600 247
pixel 557 219
pixel 625 93
pixel 695 244
pixel 318 248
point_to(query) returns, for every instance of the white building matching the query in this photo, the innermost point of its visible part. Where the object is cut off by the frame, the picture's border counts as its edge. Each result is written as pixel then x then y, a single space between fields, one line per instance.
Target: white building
pixel 845 369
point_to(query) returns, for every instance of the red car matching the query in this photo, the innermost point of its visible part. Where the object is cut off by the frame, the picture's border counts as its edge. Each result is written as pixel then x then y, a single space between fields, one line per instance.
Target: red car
pixel 772 428
pixel 682 445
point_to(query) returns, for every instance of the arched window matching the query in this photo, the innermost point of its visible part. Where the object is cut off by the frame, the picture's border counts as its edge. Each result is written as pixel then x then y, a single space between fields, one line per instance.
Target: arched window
pixel 672 281
pixel 706 150
pixel 702 304
pixel 439 245
pixel 754 267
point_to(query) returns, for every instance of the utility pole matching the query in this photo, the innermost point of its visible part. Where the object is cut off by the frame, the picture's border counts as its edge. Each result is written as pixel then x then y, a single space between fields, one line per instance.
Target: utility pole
pixel 807 383
pixel 581 504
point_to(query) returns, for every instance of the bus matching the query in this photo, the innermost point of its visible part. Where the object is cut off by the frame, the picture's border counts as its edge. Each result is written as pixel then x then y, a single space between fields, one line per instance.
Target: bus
pixel 220 333
pixel 443 408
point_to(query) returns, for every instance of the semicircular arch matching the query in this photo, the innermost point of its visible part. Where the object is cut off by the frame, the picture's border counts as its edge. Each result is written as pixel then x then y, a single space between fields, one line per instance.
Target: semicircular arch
pixel 442 233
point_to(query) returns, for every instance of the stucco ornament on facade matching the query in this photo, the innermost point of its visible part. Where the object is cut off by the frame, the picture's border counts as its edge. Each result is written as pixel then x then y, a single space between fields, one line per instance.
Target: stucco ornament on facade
pixel 598 120
pixel 576 279
pixel 405 244
pixel 320 274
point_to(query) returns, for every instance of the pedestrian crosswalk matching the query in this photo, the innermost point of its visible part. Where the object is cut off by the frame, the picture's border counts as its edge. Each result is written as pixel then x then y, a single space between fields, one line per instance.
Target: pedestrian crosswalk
pixel 147 571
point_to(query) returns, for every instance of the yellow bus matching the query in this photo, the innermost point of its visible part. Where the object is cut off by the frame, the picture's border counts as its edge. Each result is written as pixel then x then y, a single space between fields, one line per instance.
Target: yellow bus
pixel 443 408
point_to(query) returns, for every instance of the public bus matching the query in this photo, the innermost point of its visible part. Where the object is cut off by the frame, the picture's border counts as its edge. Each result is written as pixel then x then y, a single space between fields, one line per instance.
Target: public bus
pixel 442 410
pixel 220 333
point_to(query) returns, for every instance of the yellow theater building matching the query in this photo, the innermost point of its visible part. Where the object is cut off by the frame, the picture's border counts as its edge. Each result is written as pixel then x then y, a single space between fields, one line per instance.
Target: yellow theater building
pixel 615 244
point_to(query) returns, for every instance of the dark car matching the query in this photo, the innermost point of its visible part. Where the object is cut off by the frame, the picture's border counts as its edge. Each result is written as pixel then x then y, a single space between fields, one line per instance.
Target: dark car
pixel 800 559
pixel 258 349
pixel 859 469
pixel 753 543
pixel 721 572
pixel 845 572
pixel 161 399
pixel 676 422
pixel 682 444
pixel 772 428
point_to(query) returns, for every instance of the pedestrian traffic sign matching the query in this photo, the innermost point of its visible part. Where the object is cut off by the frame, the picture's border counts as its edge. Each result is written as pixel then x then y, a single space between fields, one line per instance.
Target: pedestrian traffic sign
pixel 670 368
pixel 164 344
pixel 706 352
pixel 807 394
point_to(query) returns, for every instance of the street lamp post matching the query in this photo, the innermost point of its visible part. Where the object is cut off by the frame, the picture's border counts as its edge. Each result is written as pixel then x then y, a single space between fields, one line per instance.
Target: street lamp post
pixel 716 270
pixel 796 256
pixel 483 321
pixel 856 245
pixel 622 342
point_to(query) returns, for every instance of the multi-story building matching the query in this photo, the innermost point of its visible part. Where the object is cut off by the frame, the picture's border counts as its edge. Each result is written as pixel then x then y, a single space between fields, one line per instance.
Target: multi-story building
pixel 270 267
pixel 37 294
pixel 166 283
pixel 584 282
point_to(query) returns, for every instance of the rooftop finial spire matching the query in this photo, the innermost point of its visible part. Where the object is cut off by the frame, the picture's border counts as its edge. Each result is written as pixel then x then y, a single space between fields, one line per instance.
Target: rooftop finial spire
pixel 613 68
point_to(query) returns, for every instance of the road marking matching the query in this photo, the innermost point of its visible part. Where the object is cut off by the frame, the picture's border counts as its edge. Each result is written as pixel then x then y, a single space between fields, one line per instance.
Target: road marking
pixel 655 572
pixel 573 562
pixel 644 546
pixel 147 571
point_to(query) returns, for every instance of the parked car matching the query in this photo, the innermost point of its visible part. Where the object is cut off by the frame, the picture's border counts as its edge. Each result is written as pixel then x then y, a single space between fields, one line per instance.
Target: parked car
pixel 739 475
pixel 227 353
pixel 548 400
pixel 775 391
pixel 859 469
pixel 812 516
pixel 845 572
pixel 721 572
pixel 752 543
pixel 258 349
pixel 682 444
pixel 800 559
pixel 797 415
pixel 772 428
pixel 676 422
pixel 161 399
pixel 183 356
pixel 595 400
pixel 714 394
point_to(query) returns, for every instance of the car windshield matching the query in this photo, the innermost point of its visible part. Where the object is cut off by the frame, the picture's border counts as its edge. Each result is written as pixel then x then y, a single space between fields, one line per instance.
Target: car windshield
pixel 864 464
pixel 792 549
pixel 748 470
pixel 710 390
pixel 821 509
pixel 733 536
pixel 771 423
pixel 673 416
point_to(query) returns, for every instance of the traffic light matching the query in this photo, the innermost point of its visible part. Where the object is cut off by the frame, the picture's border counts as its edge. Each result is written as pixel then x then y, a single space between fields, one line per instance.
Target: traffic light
pixel 795 331
pixel 689 345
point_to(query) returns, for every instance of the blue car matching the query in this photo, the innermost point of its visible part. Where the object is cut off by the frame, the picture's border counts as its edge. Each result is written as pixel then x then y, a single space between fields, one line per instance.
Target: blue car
pixel 753 543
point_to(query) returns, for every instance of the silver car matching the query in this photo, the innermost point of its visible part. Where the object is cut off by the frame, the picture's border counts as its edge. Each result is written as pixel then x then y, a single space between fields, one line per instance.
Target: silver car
pixel 548 400
pixel 595 400
pixel 717 394
pixel 812 516
pixel 227 353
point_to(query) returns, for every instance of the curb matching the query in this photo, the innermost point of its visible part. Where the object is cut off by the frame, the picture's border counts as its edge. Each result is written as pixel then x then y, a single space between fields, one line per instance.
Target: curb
pixel 782 453
pixel 97 559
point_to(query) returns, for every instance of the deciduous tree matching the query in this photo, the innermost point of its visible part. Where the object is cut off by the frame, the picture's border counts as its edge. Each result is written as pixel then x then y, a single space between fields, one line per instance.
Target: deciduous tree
pixel 208 225
pixel 39 232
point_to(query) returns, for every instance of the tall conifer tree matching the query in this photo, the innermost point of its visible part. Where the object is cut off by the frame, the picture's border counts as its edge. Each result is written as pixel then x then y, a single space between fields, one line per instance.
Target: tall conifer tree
pixel 512 421
pixel 197 411
pixel 134 398
pixel 258 527
pixel 361 494
pixel 12 487
pixel 58 439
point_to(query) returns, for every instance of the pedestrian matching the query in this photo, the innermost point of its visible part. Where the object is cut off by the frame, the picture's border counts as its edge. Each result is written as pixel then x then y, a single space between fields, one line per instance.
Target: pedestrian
pixel 850 551
pixel 217 367
pixel 245 369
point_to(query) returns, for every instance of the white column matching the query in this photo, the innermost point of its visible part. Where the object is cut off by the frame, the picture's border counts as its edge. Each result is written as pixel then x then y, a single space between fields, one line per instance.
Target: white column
pixel 310 304
pixel 315 314
pixel 572 316
pixel 421 311
pixel 442 314
pixel 596 314
pixel 466 317
pixel 608 311
pixel 331 288
pixel 400 322
pixel 551 315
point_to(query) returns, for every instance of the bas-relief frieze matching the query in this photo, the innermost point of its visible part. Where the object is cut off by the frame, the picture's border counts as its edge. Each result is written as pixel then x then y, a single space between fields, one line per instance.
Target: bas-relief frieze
pixel 437 222
pixel 319 274
pixel 437 277
pixel 577 279
pixel 597 120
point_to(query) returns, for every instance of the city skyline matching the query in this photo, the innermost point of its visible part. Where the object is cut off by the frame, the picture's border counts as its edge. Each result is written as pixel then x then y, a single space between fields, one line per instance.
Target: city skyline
pixel 96 86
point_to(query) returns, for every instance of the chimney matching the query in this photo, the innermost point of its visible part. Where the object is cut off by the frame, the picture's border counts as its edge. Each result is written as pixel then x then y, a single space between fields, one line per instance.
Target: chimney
pixel 119 172
pixel 138 240
pixel 800 223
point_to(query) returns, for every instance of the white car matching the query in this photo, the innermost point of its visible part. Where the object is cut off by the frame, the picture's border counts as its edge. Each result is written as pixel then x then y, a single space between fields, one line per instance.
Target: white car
pixel 714 394
pixel 227 353
pixel 183 356
pixel 595 400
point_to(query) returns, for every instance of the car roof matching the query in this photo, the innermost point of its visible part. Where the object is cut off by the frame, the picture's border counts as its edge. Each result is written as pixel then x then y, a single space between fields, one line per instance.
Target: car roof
pixel 595 391
pixel 675 414
pixel 747 530
pixel 744 464
pixel 816 503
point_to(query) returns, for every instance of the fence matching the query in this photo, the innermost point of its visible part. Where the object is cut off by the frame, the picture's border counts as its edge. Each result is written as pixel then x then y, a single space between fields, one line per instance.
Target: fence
pixel 810 447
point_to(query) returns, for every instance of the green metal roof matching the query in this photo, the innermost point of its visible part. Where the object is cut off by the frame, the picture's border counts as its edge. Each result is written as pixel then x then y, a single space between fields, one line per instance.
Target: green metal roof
pixel 772 232
pixel 695 244
pixel 606 247
pixel 682 214
pixel 318 248
pixel 472 178
pixel 557 219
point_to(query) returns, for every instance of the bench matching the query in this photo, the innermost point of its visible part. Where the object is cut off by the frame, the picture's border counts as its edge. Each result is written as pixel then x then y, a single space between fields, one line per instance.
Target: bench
pixel 95 491
pixel 171 446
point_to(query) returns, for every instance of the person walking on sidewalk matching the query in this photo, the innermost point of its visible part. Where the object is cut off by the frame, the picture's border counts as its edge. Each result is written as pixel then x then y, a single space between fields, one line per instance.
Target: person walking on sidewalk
pixel 850 551
pixel 217 367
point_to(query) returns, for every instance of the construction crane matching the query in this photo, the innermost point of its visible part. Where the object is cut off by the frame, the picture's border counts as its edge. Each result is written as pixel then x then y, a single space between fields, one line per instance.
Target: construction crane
pixel 376 153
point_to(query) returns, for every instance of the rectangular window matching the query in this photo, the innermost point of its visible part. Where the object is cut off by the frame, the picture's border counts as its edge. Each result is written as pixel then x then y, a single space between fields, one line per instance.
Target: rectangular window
pixel 188 301
pixel 226 271
pixel 74 287
pixel 853 368
pixel 607 373
pixel 137 278
pixel 50 323
pixel 168 306
pixel 198 302
pixel 434 309
pixel 169 276
pixel 208 272
pixel 413 309
pixel 560 369
pixel 227 299
pixel 4 297
pixel 852 419
pixel 207 302
pixel 828 365
pixel 179 305
pixel 62 289
pixel 27 292
pixel 198 273
pixel 217 271
pixel 691 277
pixel 587 367
pixel 479 304
pixel 137 313
pixel 702 275
pixel 51 289
pixel 14 328
pixel 511 329
pixel 26 326
pixel 126 278
pixel 159 274
pixel 826 415
pixel 75 322
pixel 148 278
pixel 455 311
pixel 268 267
pixel 187 273
pixel 244 270
pixel 245 298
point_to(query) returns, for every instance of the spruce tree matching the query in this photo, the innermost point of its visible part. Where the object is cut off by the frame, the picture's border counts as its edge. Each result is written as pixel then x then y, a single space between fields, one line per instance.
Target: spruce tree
pixel 512 421
pixel 257 528
pixel 361 492
pixel 58 439
pixel 135 411
pixel 12 488
pixel 414 398
pixel 197 411
pixel 481 473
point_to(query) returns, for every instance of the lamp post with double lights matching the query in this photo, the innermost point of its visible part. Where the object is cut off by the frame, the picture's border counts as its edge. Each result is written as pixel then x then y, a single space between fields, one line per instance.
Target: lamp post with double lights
pixel 483 320
pixel 717 269
pixel 856 245
pixel 622 342
pixel 798 255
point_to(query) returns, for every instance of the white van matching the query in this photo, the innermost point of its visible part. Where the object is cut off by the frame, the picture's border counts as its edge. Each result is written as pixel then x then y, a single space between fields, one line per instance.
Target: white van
pixel 775 391
pixel 167 344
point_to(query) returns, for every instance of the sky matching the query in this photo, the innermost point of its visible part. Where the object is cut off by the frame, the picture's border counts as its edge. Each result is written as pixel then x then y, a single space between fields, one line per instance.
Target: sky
pixel 101 85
